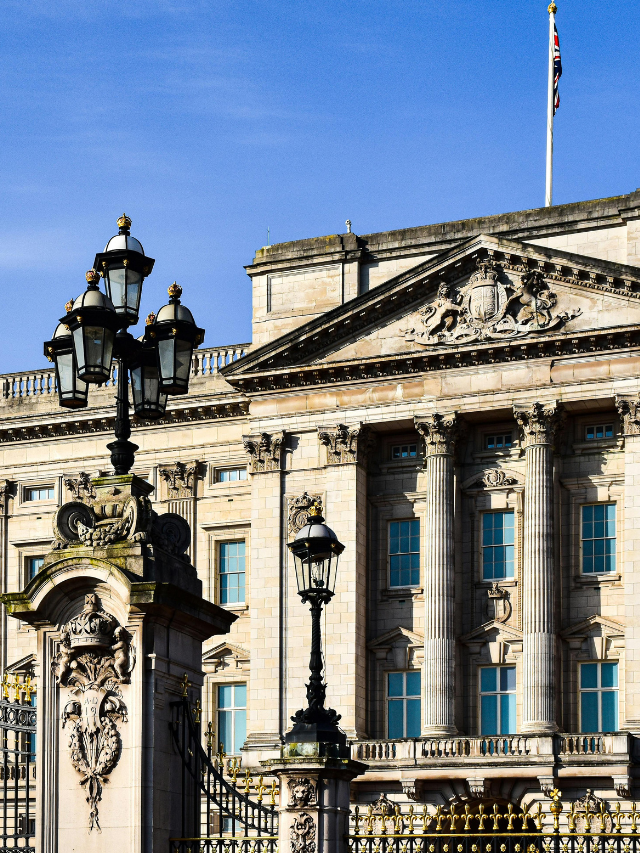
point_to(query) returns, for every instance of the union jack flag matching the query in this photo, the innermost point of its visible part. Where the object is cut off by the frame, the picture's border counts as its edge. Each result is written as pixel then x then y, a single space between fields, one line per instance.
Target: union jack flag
pixel 557 69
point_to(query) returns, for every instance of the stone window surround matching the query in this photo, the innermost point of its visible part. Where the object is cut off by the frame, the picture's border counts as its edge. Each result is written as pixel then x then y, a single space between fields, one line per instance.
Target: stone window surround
pixel 479 445
pixel 210 688
pixel 384 672
pixel 509 499
pixel 404 656
pixel 24 505
pixel 233 531
pixel 580 444
pixel 407 508
pixel 214 487
pixel 493 654
pixel 592 490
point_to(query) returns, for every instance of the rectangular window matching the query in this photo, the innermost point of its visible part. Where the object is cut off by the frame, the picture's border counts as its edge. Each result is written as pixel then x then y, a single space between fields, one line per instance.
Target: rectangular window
pixel 232 572
pixel 232 717
pixel 404 451
pixel 592 433
pixel 404 553
pixel 39 493
pixel 403 704
pixel 499 441
pixel 497 700
pixel 598 538
pixel 497 545
pixel 231 475
pixel 34 564
pixel 598 697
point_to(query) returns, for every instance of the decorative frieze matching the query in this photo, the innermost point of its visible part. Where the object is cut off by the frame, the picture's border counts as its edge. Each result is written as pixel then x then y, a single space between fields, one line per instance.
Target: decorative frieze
pixel 440 433
pixel 181 479
pixel 265 451
pixel 94 659
pixel 299 511
pixel 346 444
pixel 538 423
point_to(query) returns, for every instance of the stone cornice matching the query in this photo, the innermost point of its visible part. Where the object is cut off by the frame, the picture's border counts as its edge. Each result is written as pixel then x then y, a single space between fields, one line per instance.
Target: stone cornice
pixel 407 292
pixel 103 421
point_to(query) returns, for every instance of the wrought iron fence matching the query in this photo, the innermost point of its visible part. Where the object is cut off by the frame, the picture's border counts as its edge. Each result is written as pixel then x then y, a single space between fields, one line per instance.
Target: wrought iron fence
pixel 586 827
pixel 234 812
pixel 17 764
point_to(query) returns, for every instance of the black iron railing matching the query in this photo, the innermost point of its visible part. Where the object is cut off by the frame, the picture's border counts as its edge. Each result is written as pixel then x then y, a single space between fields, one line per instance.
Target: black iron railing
pixel 17 765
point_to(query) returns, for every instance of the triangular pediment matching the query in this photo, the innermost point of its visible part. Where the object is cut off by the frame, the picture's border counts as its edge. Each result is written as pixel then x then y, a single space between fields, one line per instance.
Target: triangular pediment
pixel 390 638
pixel 226 656
pixel 488 295
pixel 491 630
pixel 600 624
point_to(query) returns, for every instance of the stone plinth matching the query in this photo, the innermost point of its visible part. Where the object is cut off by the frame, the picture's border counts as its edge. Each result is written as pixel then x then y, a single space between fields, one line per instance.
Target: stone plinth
pixel 315 781
pixel 120 621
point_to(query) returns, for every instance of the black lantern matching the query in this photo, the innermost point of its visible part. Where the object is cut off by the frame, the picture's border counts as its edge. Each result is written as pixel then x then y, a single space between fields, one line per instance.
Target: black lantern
pixel 93 323
pixel 176 334
pixel 124 265
pixel 316 550
pixel 148 400
pixel 72 391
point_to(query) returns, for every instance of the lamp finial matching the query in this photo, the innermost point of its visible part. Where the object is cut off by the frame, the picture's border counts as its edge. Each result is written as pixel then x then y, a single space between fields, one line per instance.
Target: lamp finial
pixel 124 221
pixel 552 9
pixel 175 291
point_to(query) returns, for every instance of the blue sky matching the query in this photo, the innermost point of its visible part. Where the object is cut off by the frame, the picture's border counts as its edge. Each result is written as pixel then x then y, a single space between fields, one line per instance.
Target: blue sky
pixel 208 121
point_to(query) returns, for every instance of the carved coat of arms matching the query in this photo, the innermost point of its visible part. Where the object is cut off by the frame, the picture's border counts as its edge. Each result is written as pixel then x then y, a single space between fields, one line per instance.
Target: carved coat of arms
pixel 489 307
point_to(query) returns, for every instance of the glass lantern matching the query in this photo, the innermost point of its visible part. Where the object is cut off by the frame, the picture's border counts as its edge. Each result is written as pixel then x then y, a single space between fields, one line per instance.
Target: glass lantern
pixel 316 550
pixel 93 323
pixel 72 391
pixel 124 265
pixel 175 334
pixel 148 400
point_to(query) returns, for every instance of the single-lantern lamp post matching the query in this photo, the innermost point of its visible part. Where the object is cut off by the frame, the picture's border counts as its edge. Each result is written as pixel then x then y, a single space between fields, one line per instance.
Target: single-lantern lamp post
pixel 316 550
pixel 94 332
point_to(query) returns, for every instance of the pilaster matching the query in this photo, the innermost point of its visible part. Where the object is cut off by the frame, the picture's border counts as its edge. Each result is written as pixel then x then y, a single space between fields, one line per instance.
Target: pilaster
pixel 266 702
pixel 440 433
pixel 538 425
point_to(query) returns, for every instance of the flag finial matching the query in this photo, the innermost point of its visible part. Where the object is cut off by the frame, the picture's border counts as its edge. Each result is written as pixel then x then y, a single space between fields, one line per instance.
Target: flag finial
pixel 552 9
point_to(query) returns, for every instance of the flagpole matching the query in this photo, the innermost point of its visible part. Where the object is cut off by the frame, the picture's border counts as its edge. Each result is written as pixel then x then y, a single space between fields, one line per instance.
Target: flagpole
pixel 548 200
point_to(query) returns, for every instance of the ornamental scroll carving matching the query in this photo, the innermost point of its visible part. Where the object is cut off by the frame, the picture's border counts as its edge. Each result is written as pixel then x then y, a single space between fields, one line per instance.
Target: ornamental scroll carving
pixel 265 451
pixel 489 307
pixel 299 511
pixel 94 659
pixel 440 433
pixel 303 834
pixel 494 478
pixel 182 479
pixel 346 444
pixel 539 424
pixel 302 793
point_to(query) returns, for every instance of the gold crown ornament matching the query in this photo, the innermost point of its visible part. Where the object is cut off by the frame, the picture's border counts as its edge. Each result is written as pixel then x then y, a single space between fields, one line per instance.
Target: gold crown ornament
pixel 175 291
pixel 92 276
pixel 68 305
pixel 552 9
pixel 124 221
pixel 151 318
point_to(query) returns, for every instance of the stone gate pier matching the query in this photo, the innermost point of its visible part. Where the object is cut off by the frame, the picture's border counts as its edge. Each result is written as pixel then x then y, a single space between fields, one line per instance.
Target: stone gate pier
pixel 120 618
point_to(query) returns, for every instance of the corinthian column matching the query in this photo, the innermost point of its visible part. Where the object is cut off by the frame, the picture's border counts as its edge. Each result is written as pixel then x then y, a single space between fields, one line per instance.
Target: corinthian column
pixel 439 433
pixel 538 425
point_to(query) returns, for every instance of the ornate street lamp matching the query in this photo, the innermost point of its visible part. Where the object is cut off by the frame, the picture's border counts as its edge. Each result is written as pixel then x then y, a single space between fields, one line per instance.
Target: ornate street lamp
pixel 93 333
pixel 316 550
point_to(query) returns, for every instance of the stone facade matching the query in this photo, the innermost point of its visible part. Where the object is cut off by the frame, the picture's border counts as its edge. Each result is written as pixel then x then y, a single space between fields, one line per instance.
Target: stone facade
pixel 442 375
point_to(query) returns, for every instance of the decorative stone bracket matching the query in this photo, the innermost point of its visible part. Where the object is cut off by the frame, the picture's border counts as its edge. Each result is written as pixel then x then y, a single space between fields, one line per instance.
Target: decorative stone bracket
pixel 95 658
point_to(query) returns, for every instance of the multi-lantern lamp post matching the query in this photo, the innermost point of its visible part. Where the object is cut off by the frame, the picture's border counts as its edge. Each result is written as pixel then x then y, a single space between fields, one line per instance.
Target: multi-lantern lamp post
pixel 94 332
pixel 316 551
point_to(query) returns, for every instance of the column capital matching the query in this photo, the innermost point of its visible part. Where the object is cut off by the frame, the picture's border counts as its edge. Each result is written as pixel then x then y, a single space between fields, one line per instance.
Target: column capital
pixel 265 451
pixel 539 423
pixel 440 433
pixel 629 410
pixel 346 443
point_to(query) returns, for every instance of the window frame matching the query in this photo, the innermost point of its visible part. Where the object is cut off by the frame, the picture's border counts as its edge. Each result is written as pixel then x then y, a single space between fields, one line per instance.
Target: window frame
pixel 581 555
pixel 594 426
pixel 499 433
pixel 33 487
pixel 599 690
pixel 228 468
pixel 495 511
pixel 417 584
pixel 28 559
pixel 408 444
pixel 233 710
pixel 403 699
pixel 498 693
pixel 220 544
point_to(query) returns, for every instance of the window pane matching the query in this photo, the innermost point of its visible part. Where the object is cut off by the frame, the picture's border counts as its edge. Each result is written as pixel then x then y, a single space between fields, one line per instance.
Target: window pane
pixel 240 698
pixel 404 553
pixel 610 711
pixel 507 678
pixel 396 708
pixel 489 715
pixel 396 684
pixel 413 684
pixel 589 675
pixel 589 712
pixel 413 718
pixel 225 730
pixel 240 734
pixel 609 674
pixel 507 714
pixel 225 696
pixel 488 679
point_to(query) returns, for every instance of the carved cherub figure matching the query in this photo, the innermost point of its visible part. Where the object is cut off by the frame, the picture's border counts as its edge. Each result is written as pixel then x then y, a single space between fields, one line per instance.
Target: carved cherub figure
pixel 121 654
pixel 63 660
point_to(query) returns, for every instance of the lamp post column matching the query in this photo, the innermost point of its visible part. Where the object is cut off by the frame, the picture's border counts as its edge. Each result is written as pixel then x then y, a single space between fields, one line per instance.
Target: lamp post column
pixel 538 425
pixel 440 433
